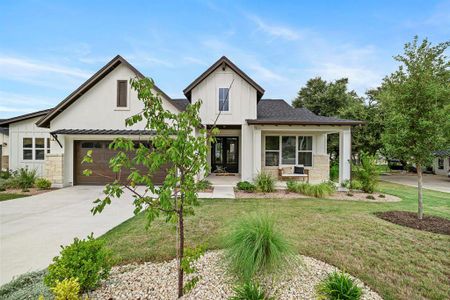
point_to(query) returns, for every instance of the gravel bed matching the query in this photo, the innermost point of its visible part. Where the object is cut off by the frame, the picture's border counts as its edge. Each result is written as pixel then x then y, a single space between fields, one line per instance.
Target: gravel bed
pixel 159 281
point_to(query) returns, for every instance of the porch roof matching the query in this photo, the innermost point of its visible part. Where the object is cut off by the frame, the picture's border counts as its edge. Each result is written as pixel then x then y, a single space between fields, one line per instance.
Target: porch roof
pixel 279 112
pixel 102 132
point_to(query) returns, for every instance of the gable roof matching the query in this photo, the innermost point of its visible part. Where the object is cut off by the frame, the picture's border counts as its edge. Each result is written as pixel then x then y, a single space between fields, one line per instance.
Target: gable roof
pixel 93 80
pixel 6 122
pixel 223 60
pixel 279 112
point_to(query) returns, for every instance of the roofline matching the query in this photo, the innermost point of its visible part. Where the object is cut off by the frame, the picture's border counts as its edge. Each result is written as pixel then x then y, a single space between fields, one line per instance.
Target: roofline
pixel 24 117
pixel 299 122
pixel 220 61
pixel 94 79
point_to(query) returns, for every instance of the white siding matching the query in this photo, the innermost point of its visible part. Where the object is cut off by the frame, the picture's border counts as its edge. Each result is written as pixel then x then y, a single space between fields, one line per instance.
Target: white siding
pixel 18 131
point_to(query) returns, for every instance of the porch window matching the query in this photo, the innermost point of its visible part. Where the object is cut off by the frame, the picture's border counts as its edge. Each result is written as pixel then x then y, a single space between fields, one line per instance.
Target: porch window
pixel 288 150
pixel 223 99
pixel 272 150
pixel 305 151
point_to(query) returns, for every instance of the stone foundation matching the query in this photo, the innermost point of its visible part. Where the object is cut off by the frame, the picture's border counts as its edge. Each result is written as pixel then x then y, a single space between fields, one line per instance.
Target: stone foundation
pixel 321 170
pixel 5 162
pixel 54 169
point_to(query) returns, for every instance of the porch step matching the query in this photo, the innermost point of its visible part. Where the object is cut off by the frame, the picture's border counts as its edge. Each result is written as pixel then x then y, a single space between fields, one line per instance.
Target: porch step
pixel 223 192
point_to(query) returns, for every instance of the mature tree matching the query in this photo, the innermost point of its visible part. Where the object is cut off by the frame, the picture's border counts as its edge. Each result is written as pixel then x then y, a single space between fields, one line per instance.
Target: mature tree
pixel 180 142
pixel 413 100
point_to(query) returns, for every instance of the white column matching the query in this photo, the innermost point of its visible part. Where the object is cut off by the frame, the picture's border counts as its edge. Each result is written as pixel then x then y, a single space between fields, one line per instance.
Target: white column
pixel 256 151
pixel 246 152
pixel 345 148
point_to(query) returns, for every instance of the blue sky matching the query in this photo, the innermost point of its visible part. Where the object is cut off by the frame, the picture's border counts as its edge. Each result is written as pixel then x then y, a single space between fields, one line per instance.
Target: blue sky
pixel 48 48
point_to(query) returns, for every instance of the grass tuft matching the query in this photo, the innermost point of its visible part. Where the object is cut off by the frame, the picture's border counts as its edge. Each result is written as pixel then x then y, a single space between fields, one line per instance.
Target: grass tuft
pixel 249 291
pixel 339 286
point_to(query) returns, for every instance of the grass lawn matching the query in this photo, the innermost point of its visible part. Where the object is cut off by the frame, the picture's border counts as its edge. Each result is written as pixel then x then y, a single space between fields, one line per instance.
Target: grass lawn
pixel 397 262
pixel 6 196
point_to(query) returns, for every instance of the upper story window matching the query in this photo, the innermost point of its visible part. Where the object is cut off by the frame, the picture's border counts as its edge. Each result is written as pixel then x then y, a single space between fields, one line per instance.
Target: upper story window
pixel 122 93
pixel 224 101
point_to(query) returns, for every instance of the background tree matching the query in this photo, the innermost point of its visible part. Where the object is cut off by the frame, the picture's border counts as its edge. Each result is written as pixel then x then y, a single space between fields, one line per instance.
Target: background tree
pixel 413 100
pixel 179 142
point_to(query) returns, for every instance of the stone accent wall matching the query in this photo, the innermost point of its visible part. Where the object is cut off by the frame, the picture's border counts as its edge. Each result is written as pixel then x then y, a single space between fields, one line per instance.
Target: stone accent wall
pixel 54 169
pixel 5 162
pixel 321 170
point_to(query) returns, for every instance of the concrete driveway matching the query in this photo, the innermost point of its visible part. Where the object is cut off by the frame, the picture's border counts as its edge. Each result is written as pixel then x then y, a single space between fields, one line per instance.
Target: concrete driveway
pixel 33 228
pixel 433 182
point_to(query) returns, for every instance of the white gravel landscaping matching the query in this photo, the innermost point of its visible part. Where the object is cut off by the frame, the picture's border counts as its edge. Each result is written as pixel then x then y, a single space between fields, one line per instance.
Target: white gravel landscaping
pixel 159 281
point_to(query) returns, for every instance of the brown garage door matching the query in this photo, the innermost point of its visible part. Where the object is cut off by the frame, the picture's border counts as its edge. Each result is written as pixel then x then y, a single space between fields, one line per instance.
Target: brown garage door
pixel 101 173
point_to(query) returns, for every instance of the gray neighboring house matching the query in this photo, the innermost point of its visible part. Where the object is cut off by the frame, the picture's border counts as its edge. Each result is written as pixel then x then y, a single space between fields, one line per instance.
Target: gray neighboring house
pixel 441 163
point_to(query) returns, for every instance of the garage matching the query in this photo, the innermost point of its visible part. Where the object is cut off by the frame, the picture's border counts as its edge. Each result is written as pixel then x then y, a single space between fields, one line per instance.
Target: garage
pixel 101 173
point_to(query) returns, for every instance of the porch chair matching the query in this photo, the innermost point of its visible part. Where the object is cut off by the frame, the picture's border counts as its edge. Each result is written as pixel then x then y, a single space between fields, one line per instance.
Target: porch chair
pixel 288 173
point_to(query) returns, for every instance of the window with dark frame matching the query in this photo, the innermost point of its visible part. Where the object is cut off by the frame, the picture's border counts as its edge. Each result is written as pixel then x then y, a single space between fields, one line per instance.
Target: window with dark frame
pixel 290 149
pixel 35 148
pixel 27 146
pixel 305 151
pixel 272 150
pixel 122 93
pixel 440 163
pixel 39 148
pixel 224 99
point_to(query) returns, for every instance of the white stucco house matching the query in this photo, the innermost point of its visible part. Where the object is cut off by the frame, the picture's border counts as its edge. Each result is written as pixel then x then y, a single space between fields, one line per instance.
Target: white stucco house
pixel 256 134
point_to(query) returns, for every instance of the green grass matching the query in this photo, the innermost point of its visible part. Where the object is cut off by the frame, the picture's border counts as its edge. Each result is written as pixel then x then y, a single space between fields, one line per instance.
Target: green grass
pixel 397 262
pixel 4 197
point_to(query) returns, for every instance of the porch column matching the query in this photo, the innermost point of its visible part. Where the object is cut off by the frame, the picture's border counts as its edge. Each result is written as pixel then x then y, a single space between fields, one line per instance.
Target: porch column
pixel 345 148
pixel 256 151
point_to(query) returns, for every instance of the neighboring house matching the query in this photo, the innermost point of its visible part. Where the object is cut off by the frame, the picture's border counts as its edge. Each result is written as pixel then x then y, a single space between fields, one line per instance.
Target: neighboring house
pixel 441 163
pixel 255 134
pixel 4 136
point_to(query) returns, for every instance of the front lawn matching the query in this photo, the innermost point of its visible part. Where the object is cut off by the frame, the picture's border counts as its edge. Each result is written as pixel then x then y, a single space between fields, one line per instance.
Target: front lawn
pixel 10 196
pixel 396 261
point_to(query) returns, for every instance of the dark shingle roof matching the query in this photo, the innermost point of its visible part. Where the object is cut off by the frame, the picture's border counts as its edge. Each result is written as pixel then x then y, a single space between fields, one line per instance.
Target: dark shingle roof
pixel 40 113
pixel 180 103
pixel 279 112
pixel 103 131
pixel 441 153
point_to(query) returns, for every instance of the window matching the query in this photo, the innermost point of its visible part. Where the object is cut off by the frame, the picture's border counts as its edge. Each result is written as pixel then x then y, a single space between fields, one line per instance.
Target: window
pixel 122 93
pixel 90 145
pixel 223 99
pixel 27 148
pixel 39 151
pixel 305 151
pixel 440 163
pixel 48 145
pixel 272 150
pixel 288 150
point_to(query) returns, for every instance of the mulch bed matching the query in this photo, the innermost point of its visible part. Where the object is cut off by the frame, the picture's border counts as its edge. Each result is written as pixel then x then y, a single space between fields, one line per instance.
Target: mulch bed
pixel 409 219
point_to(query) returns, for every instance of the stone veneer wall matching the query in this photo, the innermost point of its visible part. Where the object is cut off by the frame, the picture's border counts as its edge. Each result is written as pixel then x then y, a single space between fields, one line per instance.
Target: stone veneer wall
pixel 54 169
pixel 321 170
pixel 5 162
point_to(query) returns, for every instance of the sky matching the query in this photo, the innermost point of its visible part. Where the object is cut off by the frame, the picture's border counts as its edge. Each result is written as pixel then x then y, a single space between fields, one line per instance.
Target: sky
pixel 49 48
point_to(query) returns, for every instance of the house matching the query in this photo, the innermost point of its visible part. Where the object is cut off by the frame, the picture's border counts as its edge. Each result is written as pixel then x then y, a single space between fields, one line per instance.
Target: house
pixel 441 162
pixel 256 134
pixel 4 153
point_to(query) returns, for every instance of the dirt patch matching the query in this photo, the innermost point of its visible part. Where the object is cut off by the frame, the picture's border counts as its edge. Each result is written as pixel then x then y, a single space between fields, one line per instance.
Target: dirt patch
pixel 31 192
pixel 409 219
pixel 360 196
pixel 283 194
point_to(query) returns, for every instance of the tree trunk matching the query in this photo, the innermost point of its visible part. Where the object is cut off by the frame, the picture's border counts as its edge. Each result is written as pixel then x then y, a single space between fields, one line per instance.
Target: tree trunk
pixel 180 252
pixel 419 191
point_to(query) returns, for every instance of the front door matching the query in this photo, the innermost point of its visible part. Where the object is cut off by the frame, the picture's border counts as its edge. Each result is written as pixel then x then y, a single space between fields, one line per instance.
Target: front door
pixel 225 155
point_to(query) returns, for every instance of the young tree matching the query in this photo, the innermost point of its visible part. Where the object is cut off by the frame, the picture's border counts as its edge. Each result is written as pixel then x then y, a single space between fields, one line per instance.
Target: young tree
pixel 180 142
pixel 413 100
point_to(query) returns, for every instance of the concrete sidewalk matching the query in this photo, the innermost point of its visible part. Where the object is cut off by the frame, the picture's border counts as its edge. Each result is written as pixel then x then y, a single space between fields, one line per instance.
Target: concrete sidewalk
pixel 33 228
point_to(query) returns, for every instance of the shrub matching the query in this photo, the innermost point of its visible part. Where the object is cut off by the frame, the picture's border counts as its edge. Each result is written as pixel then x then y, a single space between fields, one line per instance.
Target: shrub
pixel 246 186
pixel 254 247
pixel 203 184
pixel 354 184
pixel 249 291
pixel 25 178
pixel 382 196
pixel 26 286
pixel 314 190
pixel 43 183
pixel 68 289
pixel 291 186
pixel 334 172
pixel 10 183
pixel 6 174
pixel 367 173
pixel 265 182
pixel 88 260
pixel 339 286
pixel 370 197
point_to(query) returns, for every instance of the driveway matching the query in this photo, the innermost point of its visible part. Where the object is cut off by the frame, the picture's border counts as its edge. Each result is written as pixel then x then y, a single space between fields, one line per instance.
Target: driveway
pixel 433 182
pixel 33 228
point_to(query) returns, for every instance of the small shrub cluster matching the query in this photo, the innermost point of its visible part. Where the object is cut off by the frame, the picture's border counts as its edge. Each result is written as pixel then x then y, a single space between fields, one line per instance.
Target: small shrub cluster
pixel 255 247
pixel 246 186
pixel 367 173
pixel 249 291
pixel 334 171
pixel 68 289
pixel 26 286
pixel 265 182
pixel 203 184
pixel 353 184
pixel 43 183
pixel 314 190
pixel 339 286
pixel 86 260
pixel 191 255
pixel 22 178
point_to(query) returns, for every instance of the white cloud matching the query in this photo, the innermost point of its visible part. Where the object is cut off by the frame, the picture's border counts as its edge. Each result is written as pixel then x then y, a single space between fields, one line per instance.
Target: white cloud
pixel 277 31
